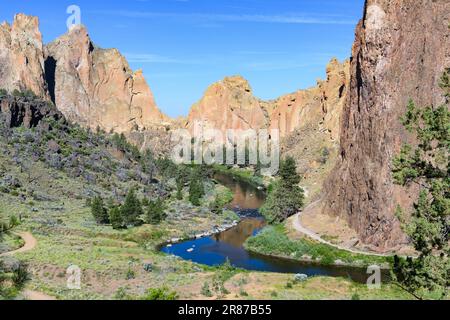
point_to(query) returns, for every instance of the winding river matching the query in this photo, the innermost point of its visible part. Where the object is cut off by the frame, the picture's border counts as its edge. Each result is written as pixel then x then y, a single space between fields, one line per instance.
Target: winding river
pixel 215 250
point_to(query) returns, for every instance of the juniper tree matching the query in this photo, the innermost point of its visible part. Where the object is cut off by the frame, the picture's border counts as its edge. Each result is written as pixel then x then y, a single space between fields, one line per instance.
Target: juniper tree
pixel 180 187
pixel 99 211
pixel 131 209
pixel 116 219
pixel 196 187
pixel 155 212
pixel 428 226
pixel 196 191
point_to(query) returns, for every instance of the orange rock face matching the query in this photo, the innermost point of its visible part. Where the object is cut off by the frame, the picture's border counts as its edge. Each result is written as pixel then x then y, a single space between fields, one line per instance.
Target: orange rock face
pixel 230 104
pixel 97 88
pixel 322 104
pixel 400 52
pixel 21 56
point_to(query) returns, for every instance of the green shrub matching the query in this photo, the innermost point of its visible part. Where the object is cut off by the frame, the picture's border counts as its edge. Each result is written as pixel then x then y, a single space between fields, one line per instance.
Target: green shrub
pixel 155 212
pixel 356 297
pixel 116 219
pixel 160 294
pixel 99 211
pixel 20 276
pixel 206 291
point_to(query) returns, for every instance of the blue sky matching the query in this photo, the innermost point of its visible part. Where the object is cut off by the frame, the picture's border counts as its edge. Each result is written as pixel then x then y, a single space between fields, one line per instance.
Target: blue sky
pixel 183 46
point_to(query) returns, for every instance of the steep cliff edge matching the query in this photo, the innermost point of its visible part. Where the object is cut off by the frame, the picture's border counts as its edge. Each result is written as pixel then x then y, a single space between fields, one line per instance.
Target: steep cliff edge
pixel 308 120
pixel 91 86
pixel 400 51
pixel 96 87
pixel 230 104
pixel 21 56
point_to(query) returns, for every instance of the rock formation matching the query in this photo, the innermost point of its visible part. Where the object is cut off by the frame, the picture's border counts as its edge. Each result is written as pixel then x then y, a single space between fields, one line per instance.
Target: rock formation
pixel 89 85
pixel 321 104
pixel 96 87
pixel 19 111
pixel 21 56
pixel 400 51
pixel 308 120
pixel 230 104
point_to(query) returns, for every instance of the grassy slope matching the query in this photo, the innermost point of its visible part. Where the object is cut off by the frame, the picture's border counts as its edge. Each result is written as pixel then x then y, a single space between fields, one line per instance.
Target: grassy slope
pixel 274 241
pixel 51 203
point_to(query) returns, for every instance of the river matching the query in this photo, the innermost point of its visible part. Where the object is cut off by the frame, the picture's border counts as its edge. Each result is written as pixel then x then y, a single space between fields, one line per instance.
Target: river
pixel 215 250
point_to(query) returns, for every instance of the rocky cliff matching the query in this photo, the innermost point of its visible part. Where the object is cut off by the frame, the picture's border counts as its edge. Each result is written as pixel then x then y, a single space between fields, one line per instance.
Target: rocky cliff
pixel 21 56
pixel 19 111
pixel 321 105
pixel 230 104
pixel 308 120
pixel 400 51
pixel 96 87
pixel 89 85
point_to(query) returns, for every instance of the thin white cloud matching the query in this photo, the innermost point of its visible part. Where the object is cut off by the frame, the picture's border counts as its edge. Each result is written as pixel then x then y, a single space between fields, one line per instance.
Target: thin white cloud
pixel 276 65
pixel 155 58
pixel 255 18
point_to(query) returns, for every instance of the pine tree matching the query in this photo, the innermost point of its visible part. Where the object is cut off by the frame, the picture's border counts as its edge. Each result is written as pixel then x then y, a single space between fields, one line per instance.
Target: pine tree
pixel 288 173
pixel 285 197
pixel 155 212
pixel 196 191
pixel 99 211
pixel 131 209
pixel 426 165
pixel 196 187
pixel 116 219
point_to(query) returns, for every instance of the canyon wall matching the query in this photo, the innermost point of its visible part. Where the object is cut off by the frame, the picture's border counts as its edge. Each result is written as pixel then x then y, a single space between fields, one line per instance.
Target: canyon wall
pixel 21 56
pixel 400 52
pixel 96 87
pixel 308 120
pixel 89 85
pixel 230 104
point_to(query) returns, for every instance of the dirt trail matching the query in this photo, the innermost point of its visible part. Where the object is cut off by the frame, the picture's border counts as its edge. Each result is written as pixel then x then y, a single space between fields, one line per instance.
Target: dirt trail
pixel 30 243
pixel 298 227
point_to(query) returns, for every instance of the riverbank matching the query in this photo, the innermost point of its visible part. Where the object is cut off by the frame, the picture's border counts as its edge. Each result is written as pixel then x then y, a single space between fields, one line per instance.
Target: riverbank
pixel 273 241
pixel 244 175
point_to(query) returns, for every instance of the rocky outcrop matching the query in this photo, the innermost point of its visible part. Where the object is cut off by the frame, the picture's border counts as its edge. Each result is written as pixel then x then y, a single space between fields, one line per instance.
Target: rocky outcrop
pixel 96 87
pixel 321 104
pixel 21 56
pixel 17 112
pixel 308 120
pixel 91 86
pixel 400 51
pixel 230 104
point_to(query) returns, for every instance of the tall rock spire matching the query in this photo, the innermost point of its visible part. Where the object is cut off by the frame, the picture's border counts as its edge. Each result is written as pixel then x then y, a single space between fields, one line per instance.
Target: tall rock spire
pixel 21 56
pixel 96 87
pixel 400 51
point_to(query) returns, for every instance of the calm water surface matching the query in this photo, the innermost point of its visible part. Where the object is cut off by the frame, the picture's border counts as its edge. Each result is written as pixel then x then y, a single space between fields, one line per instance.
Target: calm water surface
pixel 215 250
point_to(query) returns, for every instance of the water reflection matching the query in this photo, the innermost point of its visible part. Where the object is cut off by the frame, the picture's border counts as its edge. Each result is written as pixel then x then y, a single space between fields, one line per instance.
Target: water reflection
pixel 246 197
pixel 237 236
pixel 228 245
